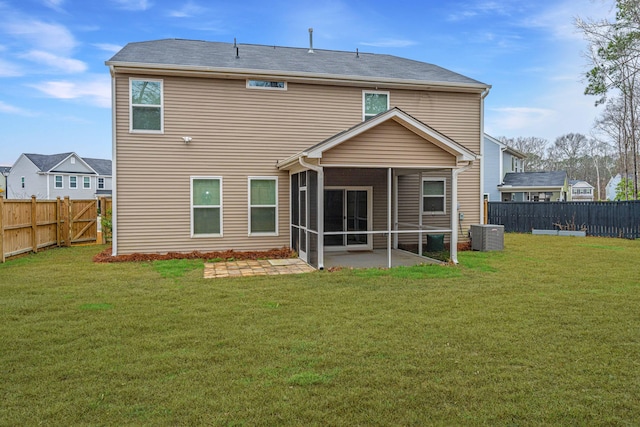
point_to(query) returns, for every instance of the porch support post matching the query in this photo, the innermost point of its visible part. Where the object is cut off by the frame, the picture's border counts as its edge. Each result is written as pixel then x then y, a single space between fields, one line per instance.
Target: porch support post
pixel 395 210
pixel 321 219
pixel 420 202
pixel 389 199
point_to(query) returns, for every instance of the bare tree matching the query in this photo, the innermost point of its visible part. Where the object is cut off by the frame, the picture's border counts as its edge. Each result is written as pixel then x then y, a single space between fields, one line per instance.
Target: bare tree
pixel 535 149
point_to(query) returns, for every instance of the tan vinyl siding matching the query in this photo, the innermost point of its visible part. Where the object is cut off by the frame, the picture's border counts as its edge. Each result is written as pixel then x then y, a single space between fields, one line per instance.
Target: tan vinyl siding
pixel 388 144
pixel 236 133
pixel 410 204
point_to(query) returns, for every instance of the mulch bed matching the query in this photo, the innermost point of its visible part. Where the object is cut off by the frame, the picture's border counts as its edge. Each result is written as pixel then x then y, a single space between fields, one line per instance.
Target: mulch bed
pixel 282 253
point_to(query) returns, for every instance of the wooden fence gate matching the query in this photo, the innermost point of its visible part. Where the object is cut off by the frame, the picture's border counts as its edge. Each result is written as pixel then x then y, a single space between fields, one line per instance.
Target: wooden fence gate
pixel 29 225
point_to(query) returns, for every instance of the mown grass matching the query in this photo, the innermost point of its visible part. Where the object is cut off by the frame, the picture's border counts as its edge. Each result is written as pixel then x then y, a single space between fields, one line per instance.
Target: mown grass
pixel 545 332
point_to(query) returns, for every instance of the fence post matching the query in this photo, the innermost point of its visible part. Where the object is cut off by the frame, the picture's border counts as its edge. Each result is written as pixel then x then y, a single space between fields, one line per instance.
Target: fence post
pixel 66 210
pixel 486 211
pixel 34 224
pixel 58 223
pixel 2 229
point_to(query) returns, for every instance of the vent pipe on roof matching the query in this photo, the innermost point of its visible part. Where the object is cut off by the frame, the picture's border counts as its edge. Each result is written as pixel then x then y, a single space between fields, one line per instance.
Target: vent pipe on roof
pixel 237 52
pixel 310 40
pixel 357 53
pixel 234 43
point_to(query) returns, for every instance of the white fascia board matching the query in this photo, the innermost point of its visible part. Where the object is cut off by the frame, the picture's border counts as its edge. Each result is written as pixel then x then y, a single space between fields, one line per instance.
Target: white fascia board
pixel 167 69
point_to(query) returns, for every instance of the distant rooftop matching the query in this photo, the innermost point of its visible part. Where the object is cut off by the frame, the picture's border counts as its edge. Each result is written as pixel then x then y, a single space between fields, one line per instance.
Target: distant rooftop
pixel 535 179
pixel 277 60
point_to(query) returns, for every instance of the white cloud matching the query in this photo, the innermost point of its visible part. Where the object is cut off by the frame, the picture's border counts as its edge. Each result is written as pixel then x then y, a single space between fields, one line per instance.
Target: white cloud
pixel 66 65
pixel 519 119
pixel 132 4
pixel 95 91
pixel 7 69
pixel 390 43
pixel 54 4
pixel 10 109
pixel 188 10
pixel 108 47
pixel 43 36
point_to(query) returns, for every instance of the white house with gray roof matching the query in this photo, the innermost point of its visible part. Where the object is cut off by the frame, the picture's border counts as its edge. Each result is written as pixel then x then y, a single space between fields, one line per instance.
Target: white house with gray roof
pixel 498 159
pixel 48 176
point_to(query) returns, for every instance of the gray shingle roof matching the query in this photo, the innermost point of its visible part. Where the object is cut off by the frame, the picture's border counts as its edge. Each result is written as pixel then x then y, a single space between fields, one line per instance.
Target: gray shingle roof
pixel 535 179
pixel 45 162
pixel 101 166
pixel 264 59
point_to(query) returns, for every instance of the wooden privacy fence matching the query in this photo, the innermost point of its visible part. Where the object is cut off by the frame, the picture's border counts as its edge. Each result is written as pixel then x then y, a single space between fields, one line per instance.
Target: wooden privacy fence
pixel 607 219
pixel 29 225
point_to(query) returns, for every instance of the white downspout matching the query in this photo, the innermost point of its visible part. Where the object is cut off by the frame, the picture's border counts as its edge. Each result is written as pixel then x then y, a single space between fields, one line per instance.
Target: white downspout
pixel 482 97
pixel 114 174
pixel 453 244
pixel 320 209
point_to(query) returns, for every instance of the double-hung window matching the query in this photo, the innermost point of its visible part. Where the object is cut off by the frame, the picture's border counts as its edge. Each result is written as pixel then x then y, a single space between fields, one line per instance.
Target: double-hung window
pixel 100 183
pixel 86 182
pixel 22 181
pixel 206 206
pixel 434 195
pixel 374 103
pixel 57 181
pixel 146 113
pixel 263 206
pixel 73 182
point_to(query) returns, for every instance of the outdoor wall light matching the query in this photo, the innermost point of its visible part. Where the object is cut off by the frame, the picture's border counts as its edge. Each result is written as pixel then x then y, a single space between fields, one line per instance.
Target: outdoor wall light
pixel 186 139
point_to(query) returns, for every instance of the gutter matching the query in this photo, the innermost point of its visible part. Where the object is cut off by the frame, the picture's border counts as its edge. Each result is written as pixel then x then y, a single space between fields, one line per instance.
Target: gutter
pixel 135 67
pixel 482 97
pixel 114 215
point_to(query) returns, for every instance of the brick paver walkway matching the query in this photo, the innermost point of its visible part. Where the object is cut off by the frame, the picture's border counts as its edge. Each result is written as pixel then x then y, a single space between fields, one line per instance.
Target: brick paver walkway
pixel 256 268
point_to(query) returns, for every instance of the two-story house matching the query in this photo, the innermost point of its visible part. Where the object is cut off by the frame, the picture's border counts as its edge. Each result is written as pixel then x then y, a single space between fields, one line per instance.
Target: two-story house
pixel 581 191
pixel 48 176
pixel 498 159
pixel 248 147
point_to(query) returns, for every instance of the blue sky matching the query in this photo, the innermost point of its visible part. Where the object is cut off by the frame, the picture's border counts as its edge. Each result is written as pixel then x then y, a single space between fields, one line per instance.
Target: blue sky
pixel 55 89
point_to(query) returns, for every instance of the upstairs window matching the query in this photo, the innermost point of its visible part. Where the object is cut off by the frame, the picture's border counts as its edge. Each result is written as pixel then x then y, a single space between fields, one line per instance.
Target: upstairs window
pixel 263 205
pixel 86 182
pixel 146 106
pixel 266 84
pixel 433 196
pixel 57 181
pixel 374 103
pixel 73 182
pixel 22 181
pixel 100 183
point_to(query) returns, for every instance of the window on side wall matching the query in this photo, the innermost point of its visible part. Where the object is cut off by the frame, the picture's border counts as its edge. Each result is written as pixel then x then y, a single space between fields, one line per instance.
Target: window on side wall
pixel 206 206
pixel 263 206
pixel 101 183
pixel 22 181
pixel 374 103
pixel 57 181
pixel 73 182
pixel 434 196
pixel 86 182
pixel 146 113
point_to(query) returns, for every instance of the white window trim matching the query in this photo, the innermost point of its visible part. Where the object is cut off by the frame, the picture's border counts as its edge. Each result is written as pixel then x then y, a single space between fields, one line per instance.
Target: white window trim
pixel 70 187
pixel 192 206
pixel 22 182
pixel 131 105
pixel 98 184
pixel 379 92
pixel 266 87
pixel 422 196
pixel 83 187
pixel 249 206
pixel 55 182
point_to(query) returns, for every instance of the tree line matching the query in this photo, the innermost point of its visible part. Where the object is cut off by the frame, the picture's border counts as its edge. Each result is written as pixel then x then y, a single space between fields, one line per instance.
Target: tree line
pixel 613 78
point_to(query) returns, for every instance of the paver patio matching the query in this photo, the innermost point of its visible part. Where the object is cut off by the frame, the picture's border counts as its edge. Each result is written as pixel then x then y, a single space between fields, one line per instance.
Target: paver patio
pixel 261 267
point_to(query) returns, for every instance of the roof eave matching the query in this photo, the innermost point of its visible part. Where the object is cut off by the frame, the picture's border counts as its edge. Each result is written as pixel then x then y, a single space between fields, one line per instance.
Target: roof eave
pixel 168 69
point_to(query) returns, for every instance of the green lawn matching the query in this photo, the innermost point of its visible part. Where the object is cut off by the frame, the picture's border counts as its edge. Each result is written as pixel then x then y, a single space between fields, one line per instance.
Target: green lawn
pixel 545 332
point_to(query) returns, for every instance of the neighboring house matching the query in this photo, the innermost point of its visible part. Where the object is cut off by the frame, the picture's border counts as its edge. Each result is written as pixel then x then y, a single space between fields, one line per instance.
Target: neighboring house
pixel 497 160
pixel 220 146
pixel 581 191
pixel 59 175
pixel 535 187
pixel 4 172
pixel 612 186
